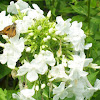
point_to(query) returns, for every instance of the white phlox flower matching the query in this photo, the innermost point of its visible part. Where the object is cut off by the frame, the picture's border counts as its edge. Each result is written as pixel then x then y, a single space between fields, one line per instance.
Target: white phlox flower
pixel 78 88
pixel 13 9
pixel 89 90
pixel 35 13
pixel 28 69
pixel 37 65
pixel 22 25
pixel 76 66
pixel 81 87
pixel 58 73
pixel 60 92
pixel 62 26
pixel 25 94
pixel 76 36
pixel 12 52
pixel 4 20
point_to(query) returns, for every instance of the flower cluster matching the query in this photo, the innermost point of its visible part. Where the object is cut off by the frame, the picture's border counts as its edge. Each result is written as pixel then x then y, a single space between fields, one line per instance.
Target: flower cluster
pixel 50 53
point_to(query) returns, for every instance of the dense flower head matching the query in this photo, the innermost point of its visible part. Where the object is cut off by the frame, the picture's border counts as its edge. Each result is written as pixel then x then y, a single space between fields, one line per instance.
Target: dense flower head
pixel 46 54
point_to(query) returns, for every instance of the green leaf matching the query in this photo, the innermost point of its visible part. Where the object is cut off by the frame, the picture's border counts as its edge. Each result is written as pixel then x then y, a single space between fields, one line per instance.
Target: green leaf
pixel 80 9
pixel 96 19
pixel 92 77
pixel 93 3
pixel 3 5
pixel 96 96
pixel 79 18
pixel 4 70
pixel 9 94
pixel 66 10
pixel 6 94
pixel 3 94
pixel 47 3
pixel 97 36
pixel 45 93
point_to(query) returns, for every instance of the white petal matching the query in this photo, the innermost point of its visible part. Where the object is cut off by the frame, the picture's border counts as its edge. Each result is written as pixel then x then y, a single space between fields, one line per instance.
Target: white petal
pixel 59 19
pixel 36 7
pixel 32 76
pixel 89 92
pixel 12 8
pixel 22 71
pixel 87 61
pixel 22 4
pixel 56 97
pixel 42 68
pixel 49 14
pixel 88 46
pixel 97 84
pixel 63 94
pixel 49 58
pixel 11 64
pixel 3 58
pixel 59 89
pixel 15 96
pixel 28 92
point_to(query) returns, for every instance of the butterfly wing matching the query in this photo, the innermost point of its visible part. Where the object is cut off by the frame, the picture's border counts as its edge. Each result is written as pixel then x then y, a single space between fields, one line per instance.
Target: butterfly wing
pixel 12 31
pixel 9 30
pixel 5 31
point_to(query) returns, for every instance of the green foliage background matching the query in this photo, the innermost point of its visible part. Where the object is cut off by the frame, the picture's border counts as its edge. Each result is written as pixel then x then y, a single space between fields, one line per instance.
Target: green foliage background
pixel 85 11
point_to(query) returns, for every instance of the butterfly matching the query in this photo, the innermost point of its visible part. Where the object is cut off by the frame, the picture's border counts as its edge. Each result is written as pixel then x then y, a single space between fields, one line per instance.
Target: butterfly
pixel 9 30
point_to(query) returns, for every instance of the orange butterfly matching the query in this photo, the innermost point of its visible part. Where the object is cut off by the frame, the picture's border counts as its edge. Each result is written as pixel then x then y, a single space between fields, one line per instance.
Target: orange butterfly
pixel 9 30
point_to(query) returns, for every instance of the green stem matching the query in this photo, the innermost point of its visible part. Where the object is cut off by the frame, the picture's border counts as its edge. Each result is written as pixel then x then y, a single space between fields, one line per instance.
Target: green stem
pixel 89 15
pixel 41 91
pixel 50 89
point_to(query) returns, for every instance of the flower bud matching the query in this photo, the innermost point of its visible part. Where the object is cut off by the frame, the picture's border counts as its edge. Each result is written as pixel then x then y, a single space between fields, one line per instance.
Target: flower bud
pixel 39 28
pixel 13 73
pixel 36 87
pixel 42 86
pixel 28 49
pixel 31 34
pixel 48 37
pixel 50 30
pixel 49 14
pixel 59 52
